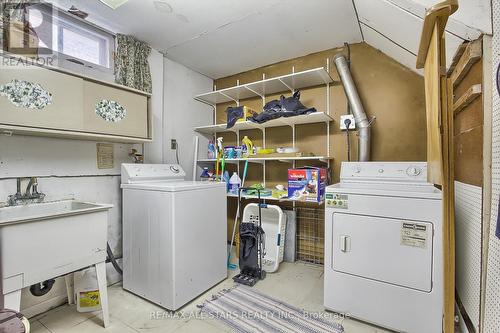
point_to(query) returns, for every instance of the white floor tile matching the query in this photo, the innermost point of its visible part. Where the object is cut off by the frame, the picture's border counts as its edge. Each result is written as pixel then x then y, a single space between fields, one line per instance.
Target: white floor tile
pixel 298 284
pixel 37 327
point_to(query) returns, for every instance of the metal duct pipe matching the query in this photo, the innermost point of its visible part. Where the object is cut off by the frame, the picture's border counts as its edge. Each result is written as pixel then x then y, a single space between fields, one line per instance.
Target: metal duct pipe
pixel 358 111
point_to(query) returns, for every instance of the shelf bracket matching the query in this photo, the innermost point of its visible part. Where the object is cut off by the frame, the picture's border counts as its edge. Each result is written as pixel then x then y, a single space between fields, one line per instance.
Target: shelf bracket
pixel 204 102
pixel 227 96
pixel 286 85
pixel 256 93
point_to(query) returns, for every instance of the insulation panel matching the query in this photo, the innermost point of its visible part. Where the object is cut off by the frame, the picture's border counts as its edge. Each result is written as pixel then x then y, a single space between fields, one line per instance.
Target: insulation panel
pixel 492 306
pixel 468 223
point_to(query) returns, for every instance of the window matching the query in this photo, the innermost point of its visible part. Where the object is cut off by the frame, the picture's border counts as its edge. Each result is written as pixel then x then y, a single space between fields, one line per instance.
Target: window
pixel 72 39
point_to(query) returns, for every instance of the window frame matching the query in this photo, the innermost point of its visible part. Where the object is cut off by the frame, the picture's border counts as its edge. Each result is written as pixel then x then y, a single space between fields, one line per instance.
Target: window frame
pixel 63 20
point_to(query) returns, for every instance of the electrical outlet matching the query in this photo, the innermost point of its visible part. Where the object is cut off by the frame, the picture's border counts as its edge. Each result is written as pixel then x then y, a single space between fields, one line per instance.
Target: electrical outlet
pixel 343 118
pixel 173 144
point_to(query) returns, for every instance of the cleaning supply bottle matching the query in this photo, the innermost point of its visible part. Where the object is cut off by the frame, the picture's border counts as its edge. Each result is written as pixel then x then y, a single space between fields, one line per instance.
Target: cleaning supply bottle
pixel 247 146
pixel 211 150
pixel 86 291
pixel 234 183
pixel 205 176
pixel 225 178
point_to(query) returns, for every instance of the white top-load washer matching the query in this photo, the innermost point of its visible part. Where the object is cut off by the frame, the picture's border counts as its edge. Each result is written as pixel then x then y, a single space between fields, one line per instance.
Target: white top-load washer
pixel 174 234
pixel 383 246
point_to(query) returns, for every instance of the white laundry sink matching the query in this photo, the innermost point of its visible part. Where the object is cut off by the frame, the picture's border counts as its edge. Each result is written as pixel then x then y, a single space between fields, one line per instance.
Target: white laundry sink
pixel 43 241
pixel 43 211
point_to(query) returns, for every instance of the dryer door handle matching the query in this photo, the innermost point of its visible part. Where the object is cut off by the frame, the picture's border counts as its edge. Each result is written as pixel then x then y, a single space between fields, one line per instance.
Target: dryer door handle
pixel 345 243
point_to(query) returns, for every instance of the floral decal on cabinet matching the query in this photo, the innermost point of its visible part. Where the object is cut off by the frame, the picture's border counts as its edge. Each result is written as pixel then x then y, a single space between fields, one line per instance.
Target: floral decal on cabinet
pixel 25 94
pixel 110 110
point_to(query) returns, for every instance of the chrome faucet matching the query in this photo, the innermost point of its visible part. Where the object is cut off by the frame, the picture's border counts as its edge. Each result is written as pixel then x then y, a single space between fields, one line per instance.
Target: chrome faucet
pixel 31 195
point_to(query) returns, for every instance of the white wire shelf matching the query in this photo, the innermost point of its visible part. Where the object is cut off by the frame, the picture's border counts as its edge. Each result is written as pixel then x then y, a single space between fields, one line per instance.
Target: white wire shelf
pixel 271 198
pixel 261 160
pixel 290 82
pixel 315 117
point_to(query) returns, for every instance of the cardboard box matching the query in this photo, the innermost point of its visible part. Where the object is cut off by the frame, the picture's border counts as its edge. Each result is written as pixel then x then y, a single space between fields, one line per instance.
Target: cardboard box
pixel 307 184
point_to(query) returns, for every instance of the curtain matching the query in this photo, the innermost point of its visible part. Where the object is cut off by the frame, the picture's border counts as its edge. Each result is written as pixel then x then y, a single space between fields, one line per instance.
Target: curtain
pixel 131 63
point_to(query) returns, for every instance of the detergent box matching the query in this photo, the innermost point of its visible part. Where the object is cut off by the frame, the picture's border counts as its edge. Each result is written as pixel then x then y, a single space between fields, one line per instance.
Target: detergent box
pixel 307 184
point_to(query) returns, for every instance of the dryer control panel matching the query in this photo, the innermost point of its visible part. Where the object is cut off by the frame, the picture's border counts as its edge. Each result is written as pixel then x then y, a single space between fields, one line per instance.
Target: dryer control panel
pixel 403 172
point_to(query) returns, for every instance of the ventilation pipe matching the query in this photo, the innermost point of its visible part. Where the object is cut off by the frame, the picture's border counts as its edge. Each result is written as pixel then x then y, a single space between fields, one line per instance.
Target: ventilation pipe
pixel 357 109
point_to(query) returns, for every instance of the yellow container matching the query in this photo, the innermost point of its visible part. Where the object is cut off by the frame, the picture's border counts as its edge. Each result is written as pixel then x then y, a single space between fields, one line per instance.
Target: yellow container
pixel 247 112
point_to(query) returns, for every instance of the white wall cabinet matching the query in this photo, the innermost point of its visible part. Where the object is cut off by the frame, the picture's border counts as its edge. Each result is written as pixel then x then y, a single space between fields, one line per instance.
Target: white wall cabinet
pixel 21 91
pixel 47 102
pixel 127 111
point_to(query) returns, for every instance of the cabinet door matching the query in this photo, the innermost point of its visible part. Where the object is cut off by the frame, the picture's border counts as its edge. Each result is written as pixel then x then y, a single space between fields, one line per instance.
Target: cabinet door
pixel 37 97
pixel 114 111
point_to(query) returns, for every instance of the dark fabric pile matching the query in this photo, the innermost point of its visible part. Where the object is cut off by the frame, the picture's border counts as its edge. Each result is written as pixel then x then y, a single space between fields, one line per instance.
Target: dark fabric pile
pixel 233 114
pixel 284 107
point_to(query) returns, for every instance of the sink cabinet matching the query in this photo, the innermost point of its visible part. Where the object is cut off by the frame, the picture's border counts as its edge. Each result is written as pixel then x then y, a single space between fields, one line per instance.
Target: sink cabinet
pixel 44 101
pixel 43 241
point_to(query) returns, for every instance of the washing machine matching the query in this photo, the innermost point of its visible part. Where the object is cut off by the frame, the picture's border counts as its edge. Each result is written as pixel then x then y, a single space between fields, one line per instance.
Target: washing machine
pixel 384 246
pixel 174 234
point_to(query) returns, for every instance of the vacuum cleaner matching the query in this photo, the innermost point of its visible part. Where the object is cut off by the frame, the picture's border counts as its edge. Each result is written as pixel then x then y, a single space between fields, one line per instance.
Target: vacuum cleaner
pixel 252 247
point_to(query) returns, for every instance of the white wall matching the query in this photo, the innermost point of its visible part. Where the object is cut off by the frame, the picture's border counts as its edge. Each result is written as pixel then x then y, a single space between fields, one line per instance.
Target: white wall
pixel 182 113
pixel 153 152
pixel 68 170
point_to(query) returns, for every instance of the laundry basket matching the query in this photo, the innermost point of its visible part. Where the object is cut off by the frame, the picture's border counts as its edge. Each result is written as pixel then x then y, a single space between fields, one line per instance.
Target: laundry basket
pixel 274 225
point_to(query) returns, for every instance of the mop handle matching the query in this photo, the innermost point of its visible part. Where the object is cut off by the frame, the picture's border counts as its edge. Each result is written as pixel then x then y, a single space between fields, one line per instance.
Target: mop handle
pixel 239 198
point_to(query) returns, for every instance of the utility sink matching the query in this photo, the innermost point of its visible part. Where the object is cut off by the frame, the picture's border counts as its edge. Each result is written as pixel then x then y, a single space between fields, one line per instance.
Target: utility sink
pixel 43 241
pixel 48 210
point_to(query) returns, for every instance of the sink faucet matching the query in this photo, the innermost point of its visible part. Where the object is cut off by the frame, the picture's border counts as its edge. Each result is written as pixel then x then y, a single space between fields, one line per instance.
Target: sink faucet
pixel 31 195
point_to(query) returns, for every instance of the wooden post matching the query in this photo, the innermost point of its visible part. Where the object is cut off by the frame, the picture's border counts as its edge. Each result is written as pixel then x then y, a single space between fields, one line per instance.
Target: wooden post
pixel 440 155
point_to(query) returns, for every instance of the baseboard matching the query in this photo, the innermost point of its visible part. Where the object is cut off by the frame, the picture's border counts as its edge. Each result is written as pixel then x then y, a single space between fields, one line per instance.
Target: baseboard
pixel 45 306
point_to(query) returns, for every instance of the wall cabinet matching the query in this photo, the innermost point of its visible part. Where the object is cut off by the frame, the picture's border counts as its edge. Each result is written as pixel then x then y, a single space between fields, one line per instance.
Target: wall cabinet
pixel 114 111
pixel 41 101
pixel 30 96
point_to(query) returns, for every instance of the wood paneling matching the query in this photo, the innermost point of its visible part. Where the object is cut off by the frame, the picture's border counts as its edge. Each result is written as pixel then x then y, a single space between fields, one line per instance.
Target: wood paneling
pixel 468 123
pixel 471 55
pixel 439 103
pixel 468 97
pixel 432 72
pixel 469 157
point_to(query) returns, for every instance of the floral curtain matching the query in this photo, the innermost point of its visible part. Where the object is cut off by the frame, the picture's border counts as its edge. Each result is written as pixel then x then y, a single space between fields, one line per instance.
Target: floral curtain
pixel 131 63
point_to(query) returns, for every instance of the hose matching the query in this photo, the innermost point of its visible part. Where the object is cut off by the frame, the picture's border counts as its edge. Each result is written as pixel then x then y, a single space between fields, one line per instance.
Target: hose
pixel 42 288
pixel 113 261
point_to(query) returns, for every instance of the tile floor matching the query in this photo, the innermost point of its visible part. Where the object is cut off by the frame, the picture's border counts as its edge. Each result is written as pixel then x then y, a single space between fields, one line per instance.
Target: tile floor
pixel 298 284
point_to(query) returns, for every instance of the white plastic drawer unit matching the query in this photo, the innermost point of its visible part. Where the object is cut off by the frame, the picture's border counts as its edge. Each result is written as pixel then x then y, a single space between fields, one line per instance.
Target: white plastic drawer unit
pixel 362 246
